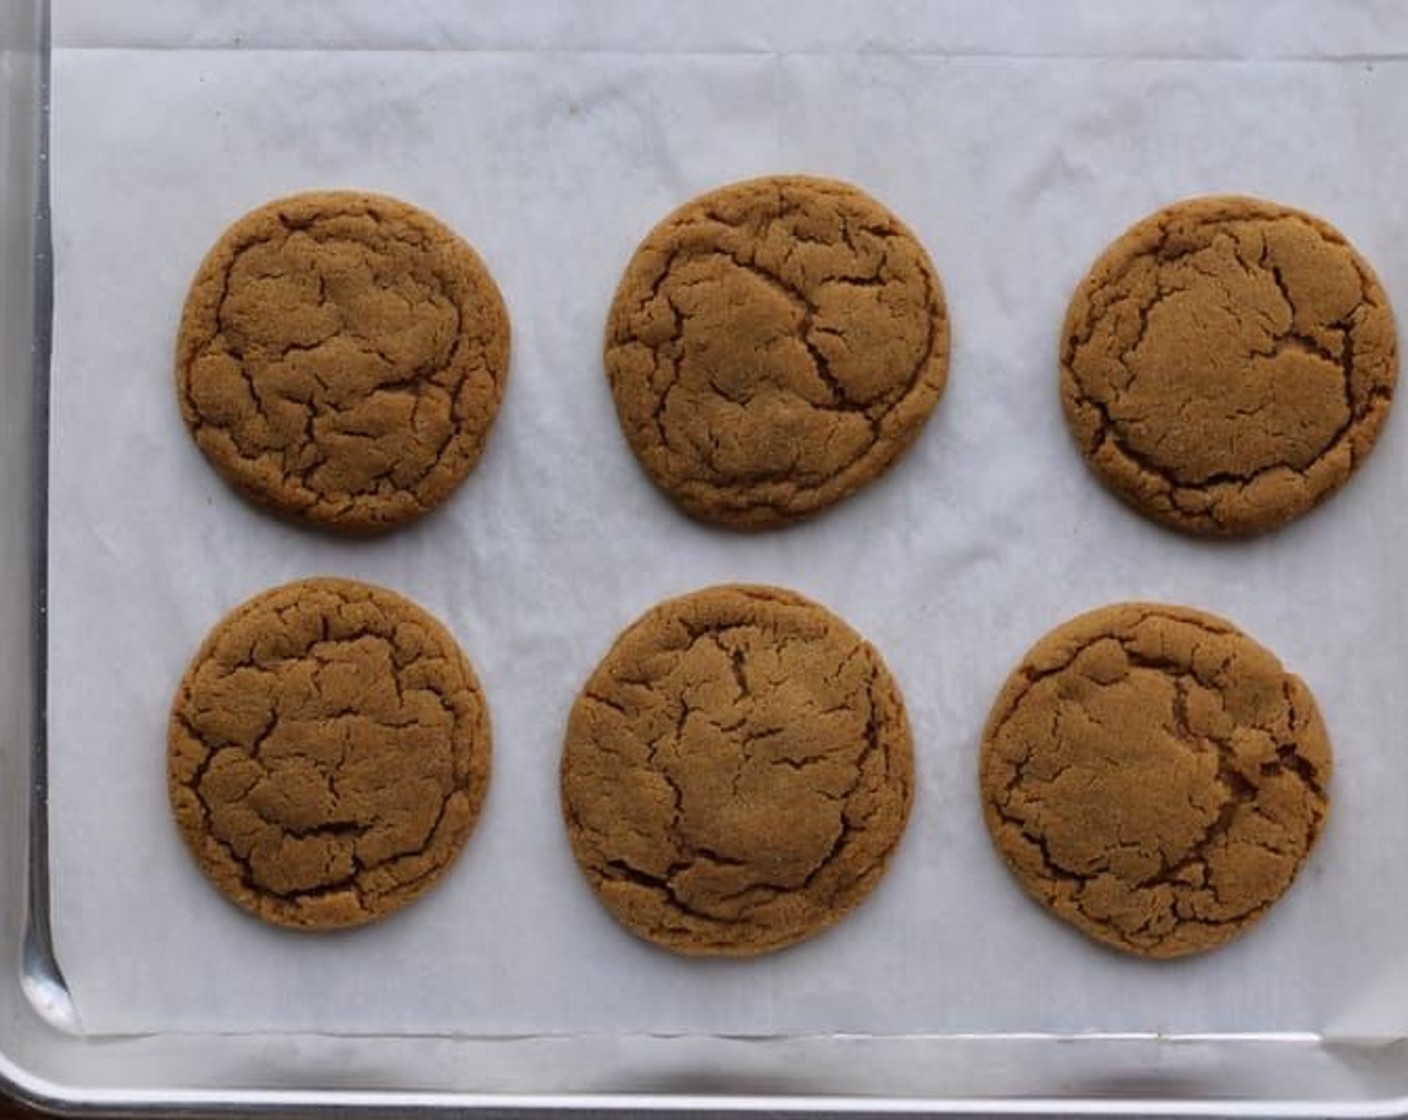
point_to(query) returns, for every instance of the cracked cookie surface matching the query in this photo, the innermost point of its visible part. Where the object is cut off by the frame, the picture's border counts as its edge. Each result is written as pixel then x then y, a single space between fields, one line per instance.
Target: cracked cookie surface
pixel 1155 777
pixel 341 359
pixel 773 346
pixel 737 772
pixel 328 752
pixel 1227 364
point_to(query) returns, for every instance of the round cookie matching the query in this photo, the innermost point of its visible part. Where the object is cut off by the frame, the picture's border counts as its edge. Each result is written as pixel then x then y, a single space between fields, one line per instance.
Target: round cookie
pixel 1227 364
pixel 1155 777
pixel 341 359
pixel 737 772
pixel 328 752
pixel 773 346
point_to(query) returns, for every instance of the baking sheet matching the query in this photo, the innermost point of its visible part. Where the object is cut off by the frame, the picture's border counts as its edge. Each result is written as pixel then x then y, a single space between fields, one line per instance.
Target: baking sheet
pixel 1017 141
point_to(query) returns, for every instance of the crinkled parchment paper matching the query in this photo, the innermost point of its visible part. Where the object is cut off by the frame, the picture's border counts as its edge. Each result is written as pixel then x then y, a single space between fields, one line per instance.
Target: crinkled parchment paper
pixel 1017 138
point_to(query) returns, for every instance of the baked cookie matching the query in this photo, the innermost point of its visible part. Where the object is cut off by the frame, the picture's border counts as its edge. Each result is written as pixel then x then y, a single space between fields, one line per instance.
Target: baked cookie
pixel 773 346
pixel 341 358
pixel 328 752
pixel 1155 777
pixel 737 772
pixel 1227 364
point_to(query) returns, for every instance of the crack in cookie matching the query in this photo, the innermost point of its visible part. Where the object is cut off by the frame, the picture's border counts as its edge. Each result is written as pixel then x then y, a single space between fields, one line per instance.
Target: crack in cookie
pixel 328 752
pixel 773 346
pixel 341 359
pixel 737 772
pixel 1227 364
pixel 1155 777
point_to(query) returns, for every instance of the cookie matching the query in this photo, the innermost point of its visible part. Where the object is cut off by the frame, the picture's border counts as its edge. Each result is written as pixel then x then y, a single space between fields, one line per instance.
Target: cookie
pixel 773 346
pixel 328 752
pixel 341 358
pixel 1155 777
pixel 737 772
pixel 1227 364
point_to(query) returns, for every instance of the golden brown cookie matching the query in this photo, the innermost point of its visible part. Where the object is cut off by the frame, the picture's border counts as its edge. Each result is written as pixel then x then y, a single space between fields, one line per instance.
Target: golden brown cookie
pixel 328 751
pixel 737 772
pixel 1227 364
pixel 341 359
pixel 773 346
pixel 1155 777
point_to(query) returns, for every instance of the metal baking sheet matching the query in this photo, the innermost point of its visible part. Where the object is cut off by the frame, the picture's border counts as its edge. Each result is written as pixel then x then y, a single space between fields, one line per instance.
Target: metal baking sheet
pixel 1016 145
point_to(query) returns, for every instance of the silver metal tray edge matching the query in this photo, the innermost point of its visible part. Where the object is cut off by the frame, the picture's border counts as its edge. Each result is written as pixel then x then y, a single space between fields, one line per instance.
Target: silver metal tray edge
pixel 47 1061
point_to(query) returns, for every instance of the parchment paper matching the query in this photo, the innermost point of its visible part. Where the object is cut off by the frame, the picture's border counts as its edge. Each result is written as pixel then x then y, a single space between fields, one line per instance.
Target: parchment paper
pixel 1017 139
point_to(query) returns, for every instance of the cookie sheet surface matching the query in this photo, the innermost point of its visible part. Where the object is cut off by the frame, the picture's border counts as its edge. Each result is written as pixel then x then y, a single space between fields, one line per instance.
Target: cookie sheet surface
pixel 1017 142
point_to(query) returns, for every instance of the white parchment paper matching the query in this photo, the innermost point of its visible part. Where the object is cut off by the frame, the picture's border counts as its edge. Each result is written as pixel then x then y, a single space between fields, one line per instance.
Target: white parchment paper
pixel 1017 139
